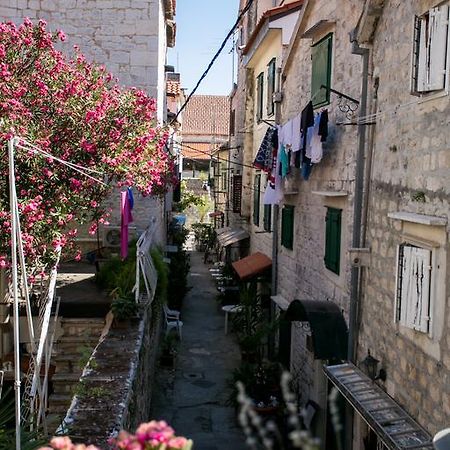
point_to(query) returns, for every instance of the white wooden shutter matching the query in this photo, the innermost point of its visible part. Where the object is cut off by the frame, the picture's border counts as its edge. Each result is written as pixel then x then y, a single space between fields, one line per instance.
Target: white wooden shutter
pixel 437 47
pixel 415 292
pixel 422 57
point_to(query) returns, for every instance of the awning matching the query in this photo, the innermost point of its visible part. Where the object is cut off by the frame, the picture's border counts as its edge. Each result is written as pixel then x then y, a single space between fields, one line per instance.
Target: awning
pixel 328 327
pixel 232 236
pixel 216 214
pixel 393 425
pixel 252 265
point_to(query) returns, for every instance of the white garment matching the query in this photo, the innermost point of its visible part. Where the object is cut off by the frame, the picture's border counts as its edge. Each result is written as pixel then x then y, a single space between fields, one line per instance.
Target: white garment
pixel 313 148
pixel 274 195
pixel 295 144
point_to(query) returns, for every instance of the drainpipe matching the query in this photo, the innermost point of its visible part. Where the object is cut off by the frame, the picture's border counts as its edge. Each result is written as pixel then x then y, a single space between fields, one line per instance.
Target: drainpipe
pixel 355 292
pixel 276 214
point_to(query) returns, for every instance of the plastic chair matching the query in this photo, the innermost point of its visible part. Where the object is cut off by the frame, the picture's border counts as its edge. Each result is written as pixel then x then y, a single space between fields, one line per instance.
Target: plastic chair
pixel 173 321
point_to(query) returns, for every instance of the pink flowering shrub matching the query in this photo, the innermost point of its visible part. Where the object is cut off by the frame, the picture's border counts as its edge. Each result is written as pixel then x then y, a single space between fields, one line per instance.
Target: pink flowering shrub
pixel 154 435
pixel 75 111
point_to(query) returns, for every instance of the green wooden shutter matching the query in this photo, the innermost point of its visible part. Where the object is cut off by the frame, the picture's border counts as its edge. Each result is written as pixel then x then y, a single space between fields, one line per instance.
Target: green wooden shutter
pixel 333 239
pixel 287 227
pixel 270 86
pixel 256 199
pixel 259 96
pixel 268 217
pixel 321 71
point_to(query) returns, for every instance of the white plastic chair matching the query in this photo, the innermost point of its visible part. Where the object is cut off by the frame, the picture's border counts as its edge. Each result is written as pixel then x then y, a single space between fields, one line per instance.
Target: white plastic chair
pixel 173 320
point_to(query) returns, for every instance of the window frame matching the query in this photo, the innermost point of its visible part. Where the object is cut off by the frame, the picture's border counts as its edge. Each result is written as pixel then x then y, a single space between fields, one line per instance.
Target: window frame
pixel 418 59
pixel 402 310
pixel 271 79
pixel 329 256
pixel 259 97
pixel 315 94
pixel 287 241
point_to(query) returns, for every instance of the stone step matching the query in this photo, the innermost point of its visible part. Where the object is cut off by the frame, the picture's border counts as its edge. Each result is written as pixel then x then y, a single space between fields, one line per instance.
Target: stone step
pixel 59 403
pixel 64 383
pixel 82 327
pixel 75 344
pixel 68 362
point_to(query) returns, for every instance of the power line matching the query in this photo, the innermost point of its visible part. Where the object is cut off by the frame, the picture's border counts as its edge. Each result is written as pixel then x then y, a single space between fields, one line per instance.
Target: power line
pixel 230 33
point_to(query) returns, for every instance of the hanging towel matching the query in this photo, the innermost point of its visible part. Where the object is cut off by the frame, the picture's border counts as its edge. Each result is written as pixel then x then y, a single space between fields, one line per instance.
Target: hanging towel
pixel 274 193
pixel 126 218
pixel 264 154
pixel 323 126
pixel 296 133
pixel 130 197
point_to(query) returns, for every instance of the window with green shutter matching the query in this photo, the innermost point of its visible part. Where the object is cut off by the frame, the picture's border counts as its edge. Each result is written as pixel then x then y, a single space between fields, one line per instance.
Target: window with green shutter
pixel 287 227
pixel 267 217
pixel 333 239
pixel 256 199
pixel 271 86
pixel 321 71
pixel 259 96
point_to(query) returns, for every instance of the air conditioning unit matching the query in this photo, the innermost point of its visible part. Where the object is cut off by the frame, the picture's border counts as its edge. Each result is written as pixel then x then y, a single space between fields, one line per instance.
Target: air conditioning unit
pixel 111 236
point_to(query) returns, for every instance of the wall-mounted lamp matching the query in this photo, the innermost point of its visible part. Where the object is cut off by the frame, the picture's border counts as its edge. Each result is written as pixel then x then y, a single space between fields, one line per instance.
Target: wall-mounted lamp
pixel 371 365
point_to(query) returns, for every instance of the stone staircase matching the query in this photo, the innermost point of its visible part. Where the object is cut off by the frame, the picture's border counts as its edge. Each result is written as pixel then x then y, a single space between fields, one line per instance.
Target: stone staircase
pixel 72 350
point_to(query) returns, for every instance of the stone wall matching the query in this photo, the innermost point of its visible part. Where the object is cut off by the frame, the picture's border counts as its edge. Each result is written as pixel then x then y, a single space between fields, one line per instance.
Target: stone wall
pixel 411 172
pixel 301 271
pixel 116 390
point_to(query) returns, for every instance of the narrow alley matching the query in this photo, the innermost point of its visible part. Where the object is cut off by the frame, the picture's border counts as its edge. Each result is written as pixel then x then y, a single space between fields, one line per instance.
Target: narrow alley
pixel 193 396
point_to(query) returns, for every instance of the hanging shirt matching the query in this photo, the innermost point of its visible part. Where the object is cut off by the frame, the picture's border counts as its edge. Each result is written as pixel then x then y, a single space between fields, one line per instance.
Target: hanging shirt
pixel 274 193
pixel 323 126
pixel 126 218
pixel 295 144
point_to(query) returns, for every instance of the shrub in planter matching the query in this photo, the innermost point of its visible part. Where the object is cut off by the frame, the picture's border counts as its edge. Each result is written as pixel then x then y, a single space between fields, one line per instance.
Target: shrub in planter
pixel 123 306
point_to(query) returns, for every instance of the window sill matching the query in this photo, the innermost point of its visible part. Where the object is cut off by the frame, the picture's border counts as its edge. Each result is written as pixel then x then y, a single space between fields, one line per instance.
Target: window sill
pixel 423 98
pixel 418 218
pixel 330 193
pixel 280 301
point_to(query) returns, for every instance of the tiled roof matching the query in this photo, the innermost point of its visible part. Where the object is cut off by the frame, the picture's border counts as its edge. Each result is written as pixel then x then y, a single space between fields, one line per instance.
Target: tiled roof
pixel 272 14
pixel 198 150
pixel 173 87
pixel 207 115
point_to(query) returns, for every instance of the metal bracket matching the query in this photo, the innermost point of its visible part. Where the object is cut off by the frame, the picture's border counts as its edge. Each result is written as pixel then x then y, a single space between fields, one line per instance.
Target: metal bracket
pixel 343 102
pixel 359 257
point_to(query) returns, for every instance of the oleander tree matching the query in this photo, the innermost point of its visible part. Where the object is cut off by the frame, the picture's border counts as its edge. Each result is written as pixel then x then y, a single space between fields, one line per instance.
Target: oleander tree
pixel 76 111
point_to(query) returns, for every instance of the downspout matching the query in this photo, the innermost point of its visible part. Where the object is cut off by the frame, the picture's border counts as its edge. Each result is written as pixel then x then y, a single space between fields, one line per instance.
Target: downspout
pixel 276 214
pixel 355 292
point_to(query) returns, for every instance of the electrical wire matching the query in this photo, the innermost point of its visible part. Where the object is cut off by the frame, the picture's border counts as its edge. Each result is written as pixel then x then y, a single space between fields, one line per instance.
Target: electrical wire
pixel 213 60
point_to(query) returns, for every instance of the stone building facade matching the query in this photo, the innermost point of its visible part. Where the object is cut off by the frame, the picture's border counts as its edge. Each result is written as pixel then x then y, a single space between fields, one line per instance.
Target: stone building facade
pixel 130 38
pixel 385 171
pixel 408 208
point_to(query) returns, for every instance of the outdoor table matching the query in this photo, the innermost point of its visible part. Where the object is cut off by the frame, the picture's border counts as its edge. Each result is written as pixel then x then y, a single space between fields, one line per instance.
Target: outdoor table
pixel 230 309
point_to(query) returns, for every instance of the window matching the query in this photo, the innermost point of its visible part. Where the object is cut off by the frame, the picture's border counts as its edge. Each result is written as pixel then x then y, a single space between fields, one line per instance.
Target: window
pixel 259 96
pixel 430 54
pixel 287 227
pixel 237 193
pixel 270 86
pixel 256 199
pixel 267 217
pixel 333 239
pixel 232 122
pixel 414 287
pixel 321 71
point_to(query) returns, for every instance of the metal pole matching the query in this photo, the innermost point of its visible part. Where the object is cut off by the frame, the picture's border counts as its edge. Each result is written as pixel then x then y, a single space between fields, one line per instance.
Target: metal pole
pixel 12 202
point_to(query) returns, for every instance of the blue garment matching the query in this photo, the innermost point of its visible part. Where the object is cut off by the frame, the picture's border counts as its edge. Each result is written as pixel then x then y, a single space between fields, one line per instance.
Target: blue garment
pixel 284 160
pixel 130 197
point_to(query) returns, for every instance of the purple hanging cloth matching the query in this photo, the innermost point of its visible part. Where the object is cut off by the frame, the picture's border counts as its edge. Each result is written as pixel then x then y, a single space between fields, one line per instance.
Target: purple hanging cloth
pixel 126 218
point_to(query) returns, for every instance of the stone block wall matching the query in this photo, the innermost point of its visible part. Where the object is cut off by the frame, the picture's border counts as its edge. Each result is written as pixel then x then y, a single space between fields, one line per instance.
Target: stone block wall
pixel 411 172
pixel 302 272
pixel 116 392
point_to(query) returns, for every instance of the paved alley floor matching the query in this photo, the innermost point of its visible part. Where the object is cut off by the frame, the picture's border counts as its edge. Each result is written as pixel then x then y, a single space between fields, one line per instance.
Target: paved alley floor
pixel 193 397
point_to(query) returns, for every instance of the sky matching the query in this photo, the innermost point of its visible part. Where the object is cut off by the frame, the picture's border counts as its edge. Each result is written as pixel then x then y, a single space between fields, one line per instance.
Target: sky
pixel 201 27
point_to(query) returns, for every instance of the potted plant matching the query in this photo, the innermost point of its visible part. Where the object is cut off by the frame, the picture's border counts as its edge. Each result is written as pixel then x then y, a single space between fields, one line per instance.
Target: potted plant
pixel 123 307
